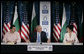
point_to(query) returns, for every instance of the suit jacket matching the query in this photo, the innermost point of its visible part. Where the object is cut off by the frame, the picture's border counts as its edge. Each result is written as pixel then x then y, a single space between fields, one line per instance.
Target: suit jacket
pixel 34 37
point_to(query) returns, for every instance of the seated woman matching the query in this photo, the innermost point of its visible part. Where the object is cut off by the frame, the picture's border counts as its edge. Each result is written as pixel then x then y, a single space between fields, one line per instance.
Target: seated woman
pixel 12 37
pixel 70 36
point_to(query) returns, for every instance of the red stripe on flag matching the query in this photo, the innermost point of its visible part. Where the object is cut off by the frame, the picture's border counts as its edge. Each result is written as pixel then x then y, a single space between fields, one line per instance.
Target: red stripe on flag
pixel 54 38
pixel 59 27
pixel 22 38
pixel 56 31
pixel 75 26
pixel 28 29
pixel 27 26
pixel 24 28
pixel 55 35
pixel 59 30
pixel 5 29
pixel 24 34
pixel 8 26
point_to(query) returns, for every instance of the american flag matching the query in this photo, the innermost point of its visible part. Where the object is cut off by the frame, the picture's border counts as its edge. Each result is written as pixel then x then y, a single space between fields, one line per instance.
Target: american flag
pixel 7 16
pixel 57 26
pixel 24 23
pixel 73 22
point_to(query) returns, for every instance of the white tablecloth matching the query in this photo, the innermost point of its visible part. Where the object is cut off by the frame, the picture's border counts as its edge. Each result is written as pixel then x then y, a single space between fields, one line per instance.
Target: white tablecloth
pixel 42 44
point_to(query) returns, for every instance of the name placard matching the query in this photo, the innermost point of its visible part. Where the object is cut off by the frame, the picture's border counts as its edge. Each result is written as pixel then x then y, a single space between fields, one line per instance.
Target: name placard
pixel 39 48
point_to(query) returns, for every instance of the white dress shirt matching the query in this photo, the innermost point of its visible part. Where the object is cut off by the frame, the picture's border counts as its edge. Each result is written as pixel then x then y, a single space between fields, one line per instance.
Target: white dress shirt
pixel 12 37
pixel 68 38
pixel 38 35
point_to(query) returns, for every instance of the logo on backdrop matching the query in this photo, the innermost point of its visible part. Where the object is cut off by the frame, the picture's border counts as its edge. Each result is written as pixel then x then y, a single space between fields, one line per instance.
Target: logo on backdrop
pixel 45 17
pixel 45 21
pixel 45 10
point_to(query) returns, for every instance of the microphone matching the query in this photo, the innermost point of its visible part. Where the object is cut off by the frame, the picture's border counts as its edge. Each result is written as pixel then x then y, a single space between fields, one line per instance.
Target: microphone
pixel 40 42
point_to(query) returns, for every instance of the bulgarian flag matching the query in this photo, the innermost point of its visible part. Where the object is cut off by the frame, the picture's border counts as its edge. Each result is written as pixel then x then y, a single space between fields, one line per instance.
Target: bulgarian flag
pixel 16 21
pixel 64 24
pixel 33 20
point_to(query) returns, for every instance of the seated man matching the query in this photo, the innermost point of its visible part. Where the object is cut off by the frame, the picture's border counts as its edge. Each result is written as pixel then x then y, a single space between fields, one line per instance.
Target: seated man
pixel 39 36
pixel 12 36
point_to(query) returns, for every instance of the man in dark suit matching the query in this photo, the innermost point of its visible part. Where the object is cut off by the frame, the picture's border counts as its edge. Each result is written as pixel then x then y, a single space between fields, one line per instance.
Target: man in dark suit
pixel 39 36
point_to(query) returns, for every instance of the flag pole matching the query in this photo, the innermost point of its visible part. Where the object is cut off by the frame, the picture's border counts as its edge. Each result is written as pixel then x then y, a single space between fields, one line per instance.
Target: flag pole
pixel 1 21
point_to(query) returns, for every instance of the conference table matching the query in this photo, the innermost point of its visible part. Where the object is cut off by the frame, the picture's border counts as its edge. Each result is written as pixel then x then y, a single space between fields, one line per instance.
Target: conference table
pixel 42 47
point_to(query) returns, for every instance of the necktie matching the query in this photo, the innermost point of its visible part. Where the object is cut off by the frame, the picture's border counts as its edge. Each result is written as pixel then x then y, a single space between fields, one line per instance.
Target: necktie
pixel 38 38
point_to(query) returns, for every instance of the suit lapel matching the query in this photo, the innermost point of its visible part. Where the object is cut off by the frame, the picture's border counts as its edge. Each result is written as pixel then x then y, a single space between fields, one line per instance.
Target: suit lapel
pixel 41 36
pixel 35 36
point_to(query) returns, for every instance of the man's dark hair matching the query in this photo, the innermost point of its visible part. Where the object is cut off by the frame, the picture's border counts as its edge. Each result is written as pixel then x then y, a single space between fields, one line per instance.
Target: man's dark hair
pixel 70 27
pixel 12 26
